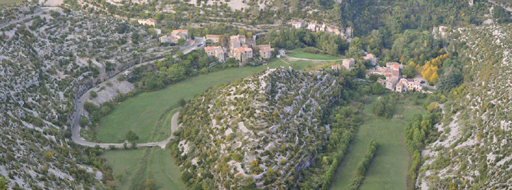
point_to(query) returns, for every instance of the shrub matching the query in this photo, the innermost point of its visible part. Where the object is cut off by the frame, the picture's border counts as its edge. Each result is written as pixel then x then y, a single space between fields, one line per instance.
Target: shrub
pixel 83 121
pixel 93 94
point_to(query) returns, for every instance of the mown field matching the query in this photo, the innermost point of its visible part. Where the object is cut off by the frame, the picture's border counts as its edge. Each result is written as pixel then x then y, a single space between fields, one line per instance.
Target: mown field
pixel 141 164
pixel 300 54
pixel 143 112
pixel 389 167
pixel 9 1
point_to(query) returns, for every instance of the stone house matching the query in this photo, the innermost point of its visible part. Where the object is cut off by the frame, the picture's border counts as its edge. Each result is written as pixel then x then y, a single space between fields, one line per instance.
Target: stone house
pixel 164 39
pixel 266 53
pixel 242 54
pixel 234 44
pixel 179 34
pixel 349 63
pixel 408 85
pixel 240 38
pixel 372 58
pixel 216 51
pixel 297 24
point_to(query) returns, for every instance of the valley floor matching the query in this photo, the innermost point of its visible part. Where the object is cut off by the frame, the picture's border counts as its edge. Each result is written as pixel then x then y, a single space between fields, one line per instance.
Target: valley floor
pixel 388 169
pixel 141 164
pixel 143 112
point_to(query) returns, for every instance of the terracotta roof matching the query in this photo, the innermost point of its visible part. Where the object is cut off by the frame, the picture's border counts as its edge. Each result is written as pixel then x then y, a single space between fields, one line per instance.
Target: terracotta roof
pixel 209 48
pixel 264 46
pixel 265 50
pixel 239 49
pixel 178 31
pixel 247 49
pixel 212 36
pixel 348 60
pixel 191 41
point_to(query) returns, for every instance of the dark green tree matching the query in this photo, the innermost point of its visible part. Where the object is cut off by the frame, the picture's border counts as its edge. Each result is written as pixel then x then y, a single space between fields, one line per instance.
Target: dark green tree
pixel 182 102
pixel 131 136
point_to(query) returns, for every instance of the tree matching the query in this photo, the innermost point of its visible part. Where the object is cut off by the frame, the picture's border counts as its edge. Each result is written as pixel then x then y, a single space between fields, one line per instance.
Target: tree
pixel 377 88
pixel 383 107
pixel 3 183
pixel 105 110
pixel 83 121
pixel 449 79
pixel 432 107
pixel 48 156
pixel 409 70
pixel 181 41
pixel 182 102
pixel 135 38
pixel 186 176
pixel 356 43
pixel 131 136
pixel 373 77
pixel 93 94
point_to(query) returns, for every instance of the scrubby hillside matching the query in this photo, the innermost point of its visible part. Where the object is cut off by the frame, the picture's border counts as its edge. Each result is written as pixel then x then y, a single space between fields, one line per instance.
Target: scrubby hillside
pixel 473 150
pixel 256 131
pixel 44 61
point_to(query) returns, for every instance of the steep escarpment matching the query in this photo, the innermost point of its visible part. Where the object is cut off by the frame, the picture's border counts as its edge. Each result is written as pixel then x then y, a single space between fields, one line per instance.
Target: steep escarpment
pixel 473 150
pixel 257 131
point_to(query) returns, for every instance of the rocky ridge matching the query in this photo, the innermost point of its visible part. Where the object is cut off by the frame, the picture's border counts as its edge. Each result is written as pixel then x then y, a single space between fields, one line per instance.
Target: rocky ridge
pixel 262 128
pixel 473 150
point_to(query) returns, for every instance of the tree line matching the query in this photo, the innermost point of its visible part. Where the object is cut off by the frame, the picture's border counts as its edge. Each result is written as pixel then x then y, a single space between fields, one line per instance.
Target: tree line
pixel 363 166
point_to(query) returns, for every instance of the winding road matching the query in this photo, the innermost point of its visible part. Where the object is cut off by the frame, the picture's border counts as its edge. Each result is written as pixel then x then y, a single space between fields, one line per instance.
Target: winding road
pixel 79 110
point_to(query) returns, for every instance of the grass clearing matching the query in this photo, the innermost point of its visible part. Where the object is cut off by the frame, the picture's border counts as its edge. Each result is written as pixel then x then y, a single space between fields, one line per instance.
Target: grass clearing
pixel 143 112
pixel 389 167
pixel 2 2
pixel 142 164
pixel 300 54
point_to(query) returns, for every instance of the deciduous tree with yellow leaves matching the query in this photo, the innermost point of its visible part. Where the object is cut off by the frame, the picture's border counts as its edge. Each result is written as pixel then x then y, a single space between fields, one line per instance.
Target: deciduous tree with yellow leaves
pixel 429 70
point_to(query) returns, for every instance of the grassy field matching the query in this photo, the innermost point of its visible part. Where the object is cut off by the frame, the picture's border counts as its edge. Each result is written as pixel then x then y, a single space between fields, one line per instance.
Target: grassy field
pixel 144 114
pixel 300 54
pixel 142 164
pixel 389 167
pixel 9 1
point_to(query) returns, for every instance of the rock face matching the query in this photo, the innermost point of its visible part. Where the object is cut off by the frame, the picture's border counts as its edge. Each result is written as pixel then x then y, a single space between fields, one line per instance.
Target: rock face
pixel 260 130
pixel 472 151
